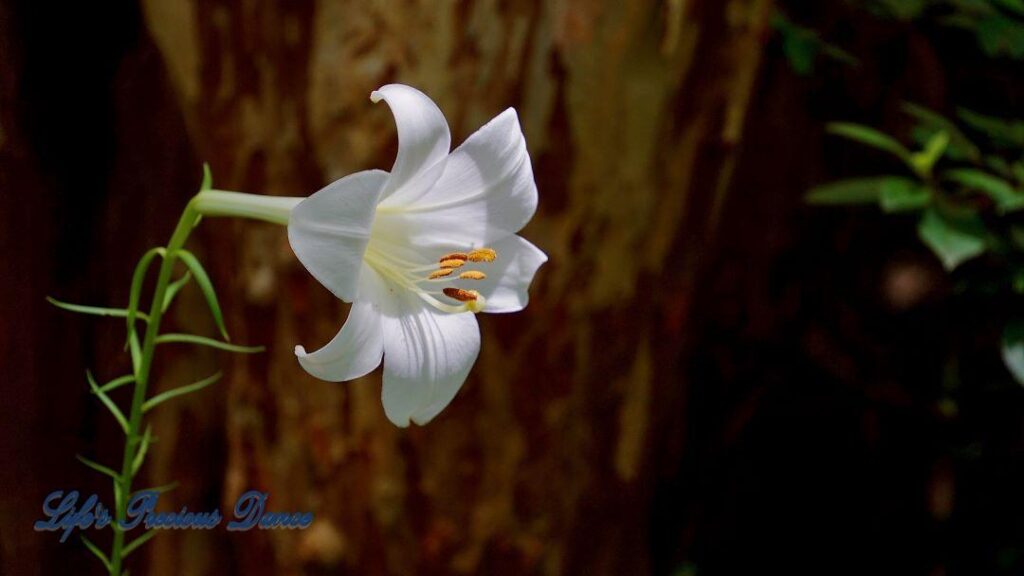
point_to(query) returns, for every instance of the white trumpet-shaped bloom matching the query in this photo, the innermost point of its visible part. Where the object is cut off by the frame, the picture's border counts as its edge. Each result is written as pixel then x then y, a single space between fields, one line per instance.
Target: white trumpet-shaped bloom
pixel 418 251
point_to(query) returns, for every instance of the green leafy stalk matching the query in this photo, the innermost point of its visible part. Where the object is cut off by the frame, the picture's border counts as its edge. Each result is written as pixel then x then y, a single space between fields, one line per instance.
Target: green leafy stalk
pixel 134 444
pixel 142 350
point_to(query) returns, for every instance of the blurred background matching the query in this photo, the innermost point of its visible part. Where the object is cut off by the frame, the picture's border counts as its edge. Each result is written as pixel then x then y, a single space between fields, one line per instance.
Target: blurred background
pixel 714 376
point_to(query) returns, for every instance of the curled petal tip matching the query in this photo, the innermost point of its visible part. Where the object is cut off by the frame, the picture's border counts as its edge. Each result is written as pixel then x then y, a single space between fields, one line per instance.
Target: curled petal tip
pixel 300 351
pixel 376 96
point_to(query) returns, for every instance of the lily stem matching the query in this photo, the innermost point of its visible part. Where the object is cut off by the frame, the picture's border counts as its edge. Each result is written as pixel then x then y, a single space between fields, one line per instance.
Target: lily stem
pixel 142 368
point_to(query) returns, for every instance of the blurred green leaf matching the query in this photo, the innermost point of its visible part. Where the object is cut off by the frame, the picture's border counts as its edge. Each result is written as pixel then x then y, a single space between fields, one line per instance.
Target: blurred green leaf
pixel 1001 36
pixel 1000 191
pixel 1003 132
pixel 802 46
pixel 1013 349
pixel 1015 6
pixel 903 195
pixel 953 241
pixel 870 137
pixel 922 162
pixel 960 146
pixel 855 191
pixel 1017 169
pixel 902 9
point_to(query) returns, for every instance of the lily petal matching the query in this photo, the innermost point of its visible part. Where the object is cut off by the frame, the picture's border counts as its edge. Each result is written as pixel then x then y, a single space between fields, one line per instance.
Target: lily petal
pixel 354 352
pixel 486 192
pixel 423 140
pixel 329 230
pixel 358 347
pixel 508 278
pixel 427 356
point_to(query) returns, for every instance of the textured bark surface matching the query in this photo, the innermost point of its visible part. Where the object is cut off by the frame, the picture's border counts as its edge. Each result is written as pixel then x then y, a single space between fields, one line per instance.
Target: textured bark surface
pixel 546 461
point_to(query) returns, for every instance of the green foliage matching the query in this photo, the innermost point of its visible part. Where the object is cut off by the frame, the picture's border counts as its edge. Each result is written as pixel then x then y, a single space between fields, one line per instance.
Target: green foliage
pixel 142 352
pixel 96 552
pixel 870 137
pixel 203 280
pixel 997 25
pixel 966 186
pixel 1013 349
pixel 179 391
pixel 954 241
pixel 803 46
pixel 204 341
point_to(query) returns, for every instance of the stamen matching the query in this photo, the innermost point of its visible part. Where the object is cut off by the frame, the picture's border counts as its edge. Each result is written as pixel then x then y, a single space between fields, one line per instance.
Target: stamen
pixel 482 255
pixel 461 295
pixel 439 273
pixel 472 275
pixel 452 263
pixel 454 256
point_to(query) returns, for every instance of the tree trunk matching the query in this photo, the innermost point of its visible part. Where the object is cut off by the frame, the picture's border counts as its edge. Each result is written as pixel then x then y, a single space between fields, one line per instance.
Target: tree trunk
pixel 546 460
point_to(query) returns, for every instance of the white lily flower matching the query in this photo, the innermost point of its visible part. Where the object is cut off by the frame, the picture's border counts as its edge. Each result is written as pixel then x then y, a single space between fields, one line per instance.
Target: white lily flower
pixel 418 252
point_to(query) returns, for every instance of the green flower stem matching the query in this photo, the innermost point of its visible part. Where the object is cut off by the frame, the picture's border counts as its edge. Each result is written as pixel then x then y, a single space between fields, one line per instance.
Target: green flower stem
pixel 185 225
pixel 205 203
pixel 273 209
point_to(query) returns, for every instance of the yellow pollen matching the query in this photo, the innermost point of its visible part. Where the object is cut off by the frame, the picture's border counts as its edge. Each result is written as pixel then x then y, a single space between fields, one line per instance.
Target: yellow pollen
pixel 452 263
pixel 439 273
pixel 472 275
pixel 461 295
pixel 454 256
pixel 482 255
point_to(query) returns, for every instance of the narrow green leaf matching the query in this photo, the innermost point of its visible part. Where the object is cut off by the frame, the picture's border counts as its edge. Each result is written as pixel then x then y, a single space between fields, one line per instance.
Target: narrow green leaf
pixel 111 406
pixel 95 310
pixel 204 341
pixel 1000 191
pixel 207 182
pixel 97 467
pixel 953 242
pixel 999 166
pixel 1017 169
pixel 96 551
pixel 1013 349
pixel 134 349
pixel 960 146
pixel 1015 6
pixel 117 501
pixel 173 289
pixel 870 137
pixel 179 391
pixel 1007 133
pixel 138 542
pixel 117 383
pixel 138 277
pixel 162 489
pixel 855 191
pixel 203 280
pixel 140 454
pixel 903 195
pixel 922 162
